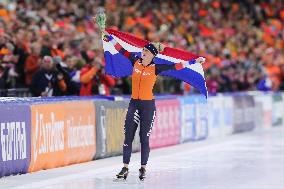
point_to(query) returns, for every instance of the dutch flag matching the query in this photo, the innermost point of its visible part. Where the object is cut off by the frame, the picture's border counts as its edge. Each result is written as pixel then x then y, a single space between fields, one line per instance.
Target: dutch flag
pixel 119 66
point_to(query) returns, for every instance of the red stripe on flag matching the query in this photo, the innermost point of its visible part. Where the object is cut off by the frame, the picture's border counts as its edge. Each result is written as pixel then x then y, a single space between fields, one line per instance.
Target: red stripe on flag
pixel 127 54
pixel 129 38
pixel 179 66
pixel 140 43
pixel 117 46
pixel 179 54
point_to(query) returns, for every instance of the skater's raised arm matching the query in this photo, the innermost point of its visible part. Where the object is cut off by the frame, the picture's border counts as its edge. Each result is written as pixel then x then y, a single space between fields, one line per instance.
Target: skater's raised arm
pixel 100 19
pixel 178 66
pixel 131 56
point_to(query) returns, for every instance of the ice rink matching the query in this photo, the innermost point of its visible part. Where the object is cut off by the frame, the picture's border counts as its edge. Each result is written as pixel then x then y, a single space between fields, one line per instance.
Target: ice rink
pixel 252 160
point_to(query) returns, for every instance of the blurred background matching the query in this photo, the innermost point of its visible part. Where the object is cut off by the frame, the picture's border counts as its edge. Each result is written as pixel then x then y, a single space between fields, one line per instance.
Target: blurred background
pixel 50 47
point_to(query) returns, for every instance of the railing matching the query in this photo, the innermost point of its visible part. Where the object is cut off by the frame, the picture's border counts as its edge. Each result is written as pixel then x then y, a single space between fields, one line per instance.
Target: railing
pixel 60 131
pixel 18 92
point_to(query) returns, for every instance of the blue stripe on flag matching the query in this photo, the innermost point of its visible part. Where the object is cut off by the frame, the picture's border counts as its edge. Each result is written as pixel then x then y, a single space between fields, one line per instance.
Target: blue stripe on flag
pixel 188 75
pixel 119 66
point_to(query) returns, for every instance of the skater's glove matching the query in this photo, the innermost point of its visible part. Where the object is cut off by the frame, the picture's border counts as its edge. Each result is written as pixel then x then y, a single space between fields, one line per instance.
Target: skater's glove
pixel 107 37
pixel 185 64
pixel 200 60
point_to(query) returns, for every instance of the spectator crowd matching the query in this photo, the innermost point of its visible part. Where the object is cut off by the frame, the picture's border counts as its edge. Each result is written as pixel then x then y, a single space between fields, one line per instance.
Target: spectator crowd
pixel 53 48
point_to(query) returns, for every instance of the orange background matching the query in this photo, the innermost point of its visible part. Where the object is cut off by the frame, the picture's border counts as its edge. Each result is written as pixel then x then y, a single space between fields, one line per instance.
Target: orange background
pixel 80 113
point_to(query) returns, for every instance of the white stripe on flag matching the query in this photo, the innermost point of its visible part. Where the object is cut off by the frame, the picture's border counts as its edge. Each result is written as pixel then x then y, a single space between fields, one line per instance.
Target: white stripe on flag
pixel 126 45
pixel 110 48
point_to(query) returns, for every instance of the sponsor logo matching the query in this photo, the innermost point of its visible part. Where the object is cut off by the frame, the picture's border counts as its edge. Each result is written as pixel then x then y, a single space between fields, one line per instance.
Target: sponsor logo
pixel 137 70
pixel 13 141
pixel 80 135
pixel 49 136
pixel 146 73
pixel 137 118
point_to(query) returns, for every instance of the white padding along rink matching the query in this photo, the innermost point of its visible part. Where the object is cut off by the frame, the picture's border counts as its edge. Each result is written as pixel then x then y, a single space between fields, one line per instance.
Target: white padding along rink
pixel 252 160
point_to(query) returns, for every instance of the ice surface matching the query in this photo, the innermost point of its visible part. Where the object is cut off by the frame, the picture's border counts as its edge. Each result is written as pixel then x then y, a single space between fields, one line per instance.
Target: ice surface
pixel 246 161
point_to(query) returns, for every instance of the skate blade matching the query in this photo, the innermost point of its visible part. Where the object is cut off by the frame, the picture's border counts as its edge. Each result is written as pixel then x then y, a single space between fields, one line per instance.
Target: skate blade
pixel 142 179
pixel 119 179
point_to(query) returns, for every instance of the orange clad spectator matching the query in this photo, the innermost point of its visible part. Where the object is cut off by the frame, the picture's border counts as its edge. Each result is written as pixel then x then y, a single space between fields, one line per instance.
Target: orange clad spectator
pixel 32 63
pixel 94 81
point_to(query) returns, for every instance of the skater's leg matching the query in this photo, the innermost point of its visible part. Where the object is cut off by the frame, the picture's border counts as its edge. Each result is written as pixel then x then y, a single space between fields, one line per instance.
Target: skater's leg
pixel 131 122
pixel 130 126
pixel 148 113
pixel 147 121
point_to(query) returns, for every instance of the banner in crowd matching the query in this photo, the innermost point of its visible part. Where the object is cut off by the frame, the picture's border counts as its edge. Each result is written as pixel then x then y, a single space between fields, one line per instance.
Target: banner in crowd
pixel 166 129
pixel 15 139
pixel 62 133
pixel 110 123
pixel 244 108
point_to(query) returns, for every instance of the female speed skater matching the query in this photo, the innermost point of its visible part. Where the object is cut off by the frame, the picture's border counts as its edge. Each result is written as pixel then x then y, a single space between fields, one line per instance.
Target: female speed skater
pixel 141 111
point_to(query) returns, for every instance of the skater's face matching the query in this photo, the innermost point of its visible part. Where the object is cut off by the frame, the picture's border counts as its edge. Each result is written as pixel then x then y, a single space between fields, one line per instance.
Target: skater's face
pixel 147 57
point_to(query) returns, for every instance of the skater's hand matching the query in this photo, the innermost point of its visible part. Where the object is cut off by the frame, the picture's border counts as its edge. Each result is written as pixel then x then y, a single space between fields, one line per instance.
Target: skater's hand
pixel 200 60
pixel 106 36
pixel 104 32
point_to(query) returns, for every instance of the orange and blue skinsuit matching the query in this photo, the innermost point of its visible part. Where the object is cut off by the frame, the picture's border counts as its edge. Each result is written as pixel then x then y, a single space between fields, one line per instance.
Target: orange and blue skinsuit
pixel 141 111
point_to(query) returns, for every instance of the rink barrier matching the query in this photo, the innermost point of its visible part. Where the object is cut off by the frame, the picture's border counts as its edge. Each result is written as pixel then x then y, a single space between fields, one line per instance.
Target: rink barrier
pixel 61 134
pixel 109 126
pixel 244 107
pixel 259 123
pixel 278 109
pixel 265 102
pixel 166 128
pixel 44 133
pixel 227 113
pixel 194 118
pixel 188 119
pixel 220 116
pixel 15 139
pixel 283 108
pixel 215 117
